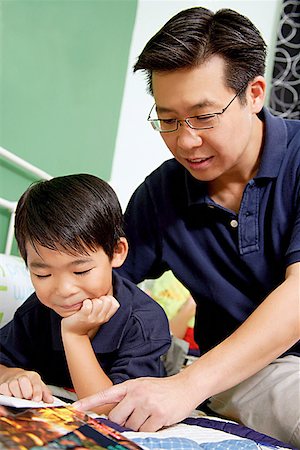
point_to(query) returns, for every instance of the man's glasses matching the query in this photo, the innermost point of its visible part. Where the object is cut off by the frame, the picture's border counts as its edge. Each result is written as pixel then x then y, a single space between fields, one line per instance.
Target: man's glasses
pixel 202 122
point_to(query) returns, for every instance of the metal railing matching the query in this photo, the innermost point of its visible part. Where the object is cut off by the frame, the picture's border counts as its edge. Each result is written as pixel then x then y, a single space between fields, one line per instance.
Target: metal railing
pixel 11 206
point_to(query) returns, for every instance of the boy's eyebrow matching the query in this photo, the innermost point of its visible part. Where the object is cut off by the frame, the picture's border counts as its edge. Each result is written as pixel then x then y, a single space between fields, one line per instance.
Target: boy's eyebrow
pixel 76 262
pixel 38 265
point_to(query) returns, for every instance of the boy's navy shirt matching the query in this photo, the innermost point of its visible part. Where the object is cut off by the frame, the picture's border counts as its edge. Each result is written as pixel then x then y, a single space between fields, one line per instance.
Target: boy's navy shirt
pixel 128 346
pixel 229 262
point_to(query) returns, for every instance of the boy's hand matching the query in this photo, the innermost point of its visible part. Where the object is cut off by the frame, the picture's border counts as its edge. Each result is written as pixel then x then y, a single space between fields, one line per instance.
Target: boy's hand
pixel 25 384
pixel 92 314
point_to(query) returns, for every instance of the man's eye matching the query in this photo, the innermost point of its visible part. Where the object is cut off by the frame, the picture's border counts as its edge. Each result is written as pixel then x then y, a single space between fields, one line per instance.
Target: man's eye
pixel 203 119
pixel 83 272
pixel 168 121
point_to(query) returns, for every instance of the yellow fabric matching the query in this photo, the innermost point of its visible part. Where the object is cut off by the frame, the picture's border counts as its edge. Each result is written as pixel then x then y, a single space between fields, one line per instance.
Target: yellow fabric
pixel 170 294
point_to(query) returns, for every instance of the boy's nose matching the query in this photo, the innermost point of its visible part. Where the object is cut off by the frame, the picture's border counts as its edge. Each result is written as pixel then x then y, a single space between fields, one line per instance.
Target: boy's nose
pixel 65 288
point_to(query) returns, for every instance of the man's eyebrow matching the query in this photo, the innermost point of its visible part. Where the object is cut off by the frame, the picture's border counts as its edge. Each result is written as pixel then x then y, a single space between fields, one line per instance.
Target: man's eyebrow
pixel 161 109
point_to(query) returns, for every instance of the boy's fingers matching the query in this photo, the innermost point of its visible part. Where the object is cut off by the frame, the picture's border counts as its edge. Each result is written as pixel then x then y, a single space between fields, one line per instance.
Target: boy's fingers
pixel 4 389
pixel 14 387
pixel 37 392
pixel 104 307
pixel 87 306
pixel 110 306
pixel 29 386
pixel 26 387
pixel 47 396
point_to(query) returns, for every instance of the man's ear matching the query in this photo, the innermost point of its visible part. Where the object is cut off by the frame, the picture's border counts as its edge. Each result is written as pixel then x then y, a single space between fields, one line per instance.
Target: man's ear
pixel 120 252
pixel 257 93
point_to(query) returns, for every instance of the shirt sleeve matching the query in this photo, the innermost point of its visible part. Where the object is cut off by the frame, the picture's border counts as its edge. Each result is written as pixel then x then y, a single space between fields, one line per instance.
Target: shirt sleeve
pixel 15 344
pixel 140 353
pixel 143 231
pixel 293 251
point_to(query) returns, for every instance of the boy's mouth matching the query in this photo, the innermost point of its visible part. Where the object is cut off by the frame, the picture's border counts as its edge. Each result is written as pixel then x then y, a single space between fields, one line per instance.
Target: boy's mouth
pixel 75 306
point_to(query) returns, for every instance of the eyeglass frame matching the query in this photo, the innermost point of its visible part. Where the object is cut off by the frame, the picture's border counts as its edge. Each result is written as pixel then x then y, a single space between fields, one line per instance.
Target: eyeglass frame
pixel 191 117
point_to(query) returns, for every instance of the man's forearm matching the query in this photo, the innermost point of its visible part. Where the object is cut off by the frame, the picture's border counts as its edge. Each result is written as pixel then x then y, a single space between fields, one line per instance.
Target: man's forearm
pixel 268 332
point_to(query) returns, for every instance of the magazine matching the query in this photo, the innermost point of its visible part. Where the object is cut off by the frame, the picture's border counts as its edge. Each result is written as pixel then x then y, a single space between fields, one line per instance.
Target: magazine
pixel 57 427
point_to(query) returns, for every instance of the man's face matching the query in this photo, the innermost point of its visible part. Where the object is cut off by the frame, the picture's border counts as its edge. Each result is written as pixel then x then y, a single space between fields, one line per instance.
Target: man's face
pixel 63 281
pixel 228 149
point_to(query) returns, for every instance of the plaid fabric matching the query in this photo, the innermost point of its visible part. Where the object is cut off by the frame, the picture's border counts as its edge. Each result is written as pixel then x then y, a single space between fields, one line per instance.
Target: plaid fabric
pixel 188 444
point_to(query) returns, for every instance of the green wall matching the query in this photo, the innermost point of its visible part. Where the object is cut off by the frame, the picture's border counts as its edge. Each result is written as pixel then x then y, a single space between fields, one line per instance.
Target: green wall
pixel 62 71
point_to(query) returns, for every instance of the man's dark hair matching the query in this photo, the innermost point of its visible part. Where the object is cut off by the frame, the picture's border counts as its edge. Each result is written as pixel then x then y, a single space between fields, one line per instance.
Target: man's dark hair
pixel 76 213
pixel 194 35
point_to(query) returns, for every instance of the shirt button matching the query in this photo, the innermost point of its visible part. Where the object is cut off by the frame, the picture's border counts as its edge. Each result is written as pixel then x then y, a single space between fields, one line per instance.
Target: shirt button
pixel 234 223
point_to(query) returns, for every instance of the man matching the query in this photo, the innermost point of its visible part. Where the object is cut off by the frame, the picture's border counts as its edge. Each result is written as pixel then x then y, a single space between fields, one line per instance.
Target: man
pixel 224 216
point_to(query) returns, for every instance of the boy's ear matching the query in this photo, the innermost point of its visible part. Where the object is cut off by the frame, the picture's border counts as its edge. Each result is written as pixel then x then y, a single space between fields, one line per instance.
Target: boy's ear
pixel 120 252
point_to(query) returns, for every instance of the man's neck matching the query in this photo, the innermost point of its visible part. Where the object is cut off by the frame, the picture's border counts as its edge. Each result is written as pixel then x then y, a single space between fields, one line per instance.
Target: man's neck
pixel 227 190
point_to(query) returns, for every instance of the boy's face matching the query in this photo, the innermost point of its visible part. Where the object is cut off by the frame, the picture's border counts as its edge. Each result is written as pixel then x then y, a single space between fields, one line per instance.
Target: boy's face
pixel 63 281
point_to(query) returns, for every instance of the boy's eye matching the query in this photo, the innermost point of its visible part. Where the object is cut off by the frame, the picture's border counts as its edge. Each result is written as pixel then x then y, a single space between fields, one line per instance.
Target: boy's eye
pixel 83 272
pixel 42 276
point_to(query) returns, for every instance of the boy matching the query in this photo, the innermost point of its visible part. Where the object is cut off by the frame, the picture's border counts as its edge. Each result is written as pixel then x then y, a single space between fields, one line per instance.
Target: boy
pixel 85 326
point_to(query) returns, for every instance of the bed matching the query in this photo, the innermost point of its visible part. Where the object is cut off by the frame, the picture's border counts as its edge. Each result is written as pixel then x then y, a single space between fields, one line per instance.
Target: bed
pixel 199 431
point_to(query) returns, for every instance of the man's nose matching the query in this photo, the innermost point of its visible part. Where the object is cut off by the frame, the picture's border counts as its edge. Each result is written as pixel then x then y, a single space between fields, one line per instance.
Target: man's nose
pixel 188 137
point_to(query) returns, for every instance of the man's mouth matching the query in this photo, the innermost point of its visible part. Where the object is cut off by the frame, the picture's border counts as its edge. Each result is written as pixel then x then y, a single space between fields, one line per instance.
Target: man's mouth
pixel 198 163
pixel 198 160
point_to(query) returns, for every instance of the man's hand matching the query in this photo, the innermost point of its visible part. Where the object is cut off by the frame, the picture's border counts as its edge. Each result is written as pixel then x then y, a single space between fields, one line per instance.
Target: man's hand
pixel 145 404
pixel 92 314
pixel 24 384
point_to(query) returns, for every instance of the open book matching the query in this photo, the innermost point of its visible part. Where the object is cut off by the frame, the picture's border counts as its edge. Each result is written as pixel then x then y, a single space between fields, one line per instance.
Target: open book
pixel 38 425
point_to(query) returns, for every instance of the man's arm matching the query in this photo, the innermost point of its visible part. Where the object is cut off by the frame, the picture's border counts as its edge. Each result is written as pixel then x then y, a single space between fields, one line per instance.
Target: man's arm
pixel 147 404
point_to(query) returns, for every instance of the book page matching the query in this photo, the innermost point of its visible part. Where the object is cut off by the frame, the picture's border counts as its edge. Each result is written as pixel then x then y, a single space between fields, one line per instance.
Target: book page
pixel 23 403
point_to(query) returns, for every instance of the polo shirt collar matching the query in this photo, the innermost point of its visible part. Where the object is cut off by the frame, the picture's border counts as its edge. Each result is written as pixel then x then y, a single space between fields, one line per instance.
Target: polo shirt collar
pixel 274 146
pixel 273 153
pixel 196 190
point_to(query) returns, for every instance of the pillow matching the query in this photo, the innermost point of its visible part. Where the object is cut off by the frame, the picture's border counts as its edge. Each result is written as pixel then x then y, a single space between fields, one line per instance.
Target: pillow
pixel 169 293
pixel 15 286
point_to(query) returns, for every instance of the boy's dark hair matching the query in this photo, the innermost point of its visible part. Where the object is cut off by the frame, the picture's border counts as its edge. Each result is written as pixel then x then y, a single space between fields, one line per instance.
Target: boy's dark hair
pixel 193 35
pixel 74 212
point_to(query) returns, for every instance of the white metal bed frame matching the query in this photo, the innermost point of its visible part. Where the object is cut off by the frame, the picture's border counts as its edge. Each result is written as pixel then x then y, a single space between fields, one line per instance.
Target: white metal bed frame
pixel 9 205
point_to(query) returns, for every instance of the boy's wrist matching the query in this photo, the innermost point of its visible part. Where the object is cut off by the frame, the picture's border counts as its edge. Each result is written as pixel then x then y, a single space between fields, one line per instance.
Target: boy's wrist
pixel 71 333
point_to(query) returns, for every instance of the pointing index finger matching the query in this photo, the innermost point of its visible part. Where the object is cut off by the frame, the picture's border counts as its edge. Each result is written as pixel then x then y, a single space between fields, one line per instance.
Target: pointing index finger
pixel 113 394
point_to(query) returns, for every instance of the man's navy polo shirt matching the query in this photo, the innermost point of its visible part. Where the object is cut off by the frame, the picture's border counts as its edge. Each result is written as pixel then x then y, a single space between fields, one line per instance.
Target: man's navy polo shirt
pixel 128 346
pixel 229 262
